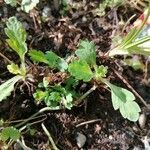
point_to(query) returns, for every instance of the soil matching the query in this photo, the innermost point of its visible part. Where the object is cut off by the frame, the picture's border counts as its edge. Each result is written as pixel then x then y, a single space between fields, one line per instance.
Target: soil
pixel 108 130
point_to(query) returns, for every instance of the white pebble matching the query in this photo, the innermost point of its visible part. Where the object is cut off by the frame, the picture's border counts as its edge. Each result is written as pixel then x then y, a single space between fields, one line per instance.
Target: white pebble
pixel 110 137
pixel 142 120
pixel 81 139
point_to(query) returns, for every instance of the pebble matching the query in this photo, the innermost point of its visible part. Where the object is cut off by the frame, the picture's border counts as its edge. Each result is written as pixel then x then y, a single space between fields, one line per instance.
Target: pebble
pixel 136 148
pixel 135 129
pixel 142 120
pixel 25 25
pixel 17 146
pixel 110 137
pixel 46 12
pixel 84 19
pixel 81 139
pixel 146 143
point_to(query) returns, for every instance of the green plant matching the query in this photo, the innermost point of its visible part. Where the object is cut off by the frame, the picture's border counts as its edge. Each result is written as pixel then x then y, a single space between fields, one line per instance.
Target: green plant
pixel 26 5
pixel 100 11
pixel 84 68
pixel 9 133
pixel 131 44
pixel 17 37
pixel 81 69
pixel 55 96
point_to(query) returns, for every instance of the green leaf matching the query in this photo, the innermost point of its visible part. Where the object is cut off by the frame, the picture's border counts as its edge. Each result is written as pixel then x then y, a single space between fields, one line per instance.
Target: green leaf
pixel 7 87
pixel 80 70
pixel 38 56
pixel 40 95
pixel 28 5
pixel 55 96
pixel 123 100
pixel 136 64
pixel 45 82
pixel 62 65
pixel 118 51
pixel 11 2
pixel 120 95
pixel 52 59
pixel 87 52
pixel 68 101
pixel 127 38
pixel 13 68
pixel 101 72
pixel 59 88
pixel 17 36
pixel 53 100
pixel 139 50
pixel 71 83
pixel 130 110
pixel 10 133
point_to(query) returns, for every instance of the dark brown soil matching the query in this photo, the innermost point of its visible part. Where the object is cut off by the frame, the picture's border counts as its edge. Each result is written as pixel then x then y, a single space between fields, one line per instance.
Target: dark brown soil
pixel 109 130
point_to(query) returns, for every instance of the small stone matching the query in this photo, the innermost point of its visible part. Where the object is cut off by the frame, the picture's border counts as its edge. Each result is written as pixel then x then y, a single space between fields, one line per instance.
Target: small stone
pixel 84 19
pixel 146 143
pixel 110 137
pixel 135 129
pixel 17 146
pixel 136 148
pixel 46 12
pixel 81 139
pixel 142 120
pixel 26 25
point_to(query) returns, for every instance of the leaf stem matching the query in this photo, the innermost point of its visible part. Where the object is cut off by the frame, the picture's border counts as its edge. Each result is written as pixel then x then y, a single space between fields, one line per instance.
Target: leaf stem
pixel 49 136
pixel 34 115
pixel 85 95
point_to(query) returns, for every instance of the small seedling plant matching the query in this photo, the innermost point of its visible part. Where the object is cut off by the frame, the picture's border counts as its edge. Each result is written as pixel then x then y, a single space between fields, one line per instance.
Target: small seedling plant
pixel 16 40
pixel 84 68
pixel 131 44
pixel 26 5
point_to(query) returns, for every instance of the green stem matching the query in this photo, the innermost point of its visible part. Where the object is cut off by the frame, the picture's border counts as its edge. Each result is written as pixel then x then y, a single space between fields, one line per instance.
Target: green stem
pixel 50 137
pixel 34 115
pixel 85 95
pixel 136 43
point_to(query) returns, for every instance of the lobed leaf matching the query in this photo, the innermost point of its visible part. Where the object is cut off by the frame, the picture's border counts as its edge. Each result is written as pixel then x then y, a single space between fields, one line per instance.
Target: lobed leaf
pixel 50 58
pixel 123 100
pixel 39 95
pixel 11 2
pixel 38 56
pixel 13 68
pixel 68 101
pixel 28 5
pixel 10 133
pixel 17 36
pixel 101 72
pixel 80 70
pixel 87 52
